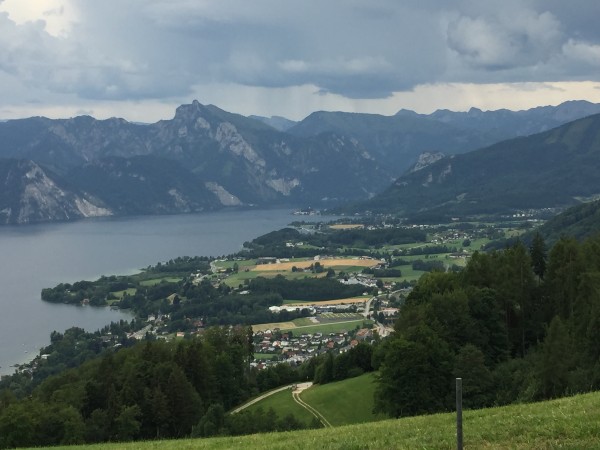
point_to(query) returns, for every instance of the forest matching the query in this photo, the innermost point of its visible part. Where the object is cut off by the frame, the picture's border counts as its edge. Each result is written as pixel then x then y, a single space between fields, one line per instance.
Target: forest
pixel 518 325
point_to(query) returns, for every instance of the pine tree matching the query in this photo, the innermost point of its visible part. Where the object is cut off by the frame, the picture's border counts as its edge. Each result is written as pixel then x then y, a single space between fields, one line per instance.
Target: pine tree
pixel 537 252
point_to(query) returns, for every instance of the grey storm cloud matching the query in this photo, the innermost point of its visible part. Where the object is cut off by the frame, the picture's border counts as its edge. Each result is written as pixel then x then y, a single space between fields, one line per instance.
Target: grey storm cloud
pixel 358 49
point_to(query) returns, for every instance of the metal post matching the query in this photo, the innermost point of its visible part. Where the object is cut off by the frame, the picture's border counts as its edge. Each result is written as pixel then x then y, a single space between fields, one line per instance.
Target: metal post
pixel 459 427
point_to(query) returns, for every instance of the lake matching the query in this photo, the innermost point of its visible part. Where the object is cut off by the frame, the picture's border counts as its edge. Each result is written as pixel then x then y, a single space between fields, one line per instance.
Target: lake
pixel 37 256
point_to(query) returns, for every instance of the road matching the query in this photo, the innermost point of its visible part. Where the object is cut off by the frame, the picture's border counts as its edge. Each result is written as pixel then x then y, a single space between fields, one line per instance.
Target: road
pixel 259 398
pixel 381 329
pixel 296 396
pixel 297 389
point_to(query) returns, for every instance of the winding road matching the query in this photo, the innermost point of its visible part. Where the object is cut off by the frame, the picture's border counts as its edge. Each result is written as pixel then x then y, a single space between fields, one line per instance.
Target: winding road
pixel 297 390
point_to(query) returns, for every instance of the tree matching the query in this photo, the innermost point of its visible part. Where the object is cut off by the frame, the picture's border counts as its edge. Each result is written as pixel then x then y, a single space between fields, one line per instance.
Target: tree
pixel 184 403
pixel 565 266
pixel 324 371
pixel 557 359
pixel 414 377
pixel 537 252
pixel 212 422
pixel 127 423
pixel 477 378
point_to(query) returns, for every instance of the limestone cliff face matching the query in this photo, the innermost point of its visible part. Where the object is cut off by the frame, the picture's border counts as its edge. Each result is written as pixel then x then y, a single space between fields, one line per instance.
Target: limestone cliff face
pixel 29 195
pixel 202 158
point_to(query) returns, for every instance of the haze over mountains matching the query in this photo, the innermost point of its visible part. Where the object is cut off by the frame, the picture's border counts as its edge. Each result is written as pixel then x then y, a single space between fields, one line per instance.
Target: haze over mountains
pixel 206 158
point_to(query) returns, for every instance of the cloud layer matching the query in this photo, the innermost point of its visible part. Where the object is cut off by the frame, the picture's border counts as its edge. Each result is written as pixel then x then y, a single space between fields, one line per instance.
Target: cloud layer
pixel 165 50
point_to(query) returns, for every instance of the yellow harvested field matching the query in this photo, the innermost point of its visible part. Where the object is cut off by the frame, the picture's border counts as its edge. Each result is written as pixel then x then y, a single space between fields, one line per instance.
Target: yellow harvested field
pixel 346 226
pixel 272 326
pixel 324 262
pixel 341 301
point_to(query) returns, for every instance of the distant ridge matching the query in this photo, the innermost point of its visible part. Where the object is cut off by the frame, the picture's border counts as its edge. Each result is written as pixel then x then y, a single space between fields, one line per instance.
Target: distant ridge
pixel 397 141
pixel 554 168
pixel 277 122
pixel 206 158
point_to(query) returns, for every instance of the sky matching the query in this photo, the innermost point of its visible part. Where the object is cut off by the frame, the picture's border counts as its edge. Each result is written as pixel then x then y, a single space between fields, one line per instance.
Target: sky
pixel 140 59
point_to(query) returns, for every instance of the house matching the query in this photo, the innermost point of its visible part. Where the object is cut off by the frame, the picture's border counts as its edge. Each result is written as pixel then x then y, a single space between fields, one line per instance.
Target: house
pixel 364 334
pixel 266 260
pixel 389 312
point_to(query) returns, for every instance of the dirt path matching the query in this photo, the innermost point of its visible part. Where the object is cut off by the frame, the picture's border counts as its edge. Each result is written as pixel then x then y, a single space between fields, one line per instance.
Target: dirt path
pixel 298 388
pixel 258 399
pixel 296 396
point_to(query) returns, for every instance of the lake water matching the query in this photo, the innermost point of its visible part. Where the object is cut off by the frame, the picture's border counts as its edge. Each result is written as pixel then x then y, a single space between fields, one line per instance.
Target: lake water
pixel 38 256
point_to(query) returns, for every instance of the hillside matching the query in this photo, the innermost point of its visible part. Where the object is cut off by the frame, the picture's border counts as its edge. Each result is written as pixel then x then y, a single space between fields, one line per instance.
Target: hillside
pixel 549 169
pixel 579 222
pixel 570 423
pixel 340 403
pixel 398 140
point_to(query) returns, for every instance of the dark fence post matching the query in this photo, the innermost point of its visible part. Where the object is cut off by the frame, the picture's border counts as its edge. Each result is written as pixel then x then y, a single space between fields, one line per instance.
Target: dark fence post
pixel 459 427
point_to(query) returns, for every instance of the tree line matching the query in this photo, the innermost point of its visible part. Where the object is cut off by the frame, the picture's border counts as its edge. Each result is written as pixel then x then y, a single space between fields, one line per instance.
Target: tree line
pixel 517 325
pixel 152 390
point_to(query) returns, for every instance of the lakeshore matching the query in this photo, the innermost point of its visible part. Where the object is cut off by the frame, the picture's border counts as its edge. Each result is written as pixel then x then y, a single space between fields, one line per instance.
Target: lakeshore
pixel 39 256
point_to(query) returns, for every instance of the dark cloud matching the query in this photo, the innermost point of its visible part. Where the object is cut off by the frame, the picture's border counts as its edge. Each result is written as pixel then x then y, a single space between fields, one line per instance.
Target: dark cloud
pixel 163 48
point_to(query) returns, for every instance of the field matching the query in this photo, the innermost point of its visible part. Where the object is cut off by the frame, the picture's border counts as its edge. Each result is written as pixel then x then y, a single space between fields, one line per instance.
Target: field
pixel 336 327
pixel 324 323
pixel 155 281
pixel 273 325
pixel 569 423
pixel 283 404
pixel 120 294
pixel 337 262
pixel 341 301
pixel 346 226
pixel 344 402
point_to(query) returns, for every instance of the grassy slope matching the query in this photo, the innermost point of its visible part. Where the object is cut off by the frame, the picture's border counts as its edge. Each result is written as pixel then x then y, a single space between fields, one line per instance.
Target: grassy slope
pixel 283 404
pixel 570 423
pixel 344 402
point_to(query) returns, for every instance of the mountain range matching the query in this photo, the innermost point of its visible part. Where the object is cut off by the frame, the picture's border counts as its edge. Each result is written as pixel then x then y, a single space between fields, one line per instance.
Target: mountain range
pixel 556 168
pixel 207 158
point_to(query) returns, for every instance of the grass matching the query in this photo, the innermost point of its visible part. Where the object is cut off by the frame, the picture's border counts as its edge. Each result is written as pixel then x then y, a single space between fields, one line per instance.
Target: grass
pixel 155 281
pixel 235 279
pixel 303 322
pixel 328 328
pixel 283 404
pixel 265 356
pixel 339 301
pixel 120 294
pixel 569 423
pixel 344 402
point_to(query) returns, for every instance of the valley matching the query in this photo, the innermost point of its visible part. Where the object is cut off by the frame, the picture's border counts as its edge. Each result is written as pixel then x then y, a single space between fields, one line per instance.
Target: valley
pixel 330 305
pixel 298 225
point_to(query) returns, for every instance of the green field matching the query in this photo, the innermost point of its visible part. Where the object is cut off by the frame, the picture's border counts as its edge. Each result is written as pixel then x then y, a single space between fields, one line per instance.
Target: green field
pixel 283 404
pixel 119 294
pixel 235 279
pixel 341 403
pixel 344 402
pixel 155 281
pixel 569 423
pixel 330 327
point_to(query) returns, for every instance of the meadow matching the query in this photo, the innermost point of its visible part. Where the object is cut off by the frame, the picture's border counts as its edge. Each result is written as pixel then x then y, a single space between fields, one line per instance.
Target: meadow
pixel 569 423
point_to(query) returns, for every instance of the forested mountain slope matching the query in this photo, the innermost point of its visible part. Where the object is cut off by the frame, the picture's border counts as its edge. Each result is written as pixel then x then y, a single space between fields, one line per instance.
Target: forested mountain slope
pixel 554 168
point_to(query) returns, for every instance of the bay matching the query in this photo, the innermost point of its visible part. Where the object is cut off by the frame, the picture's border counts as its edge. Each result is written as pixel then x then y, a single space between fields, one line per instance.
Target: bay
pixel 37 256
